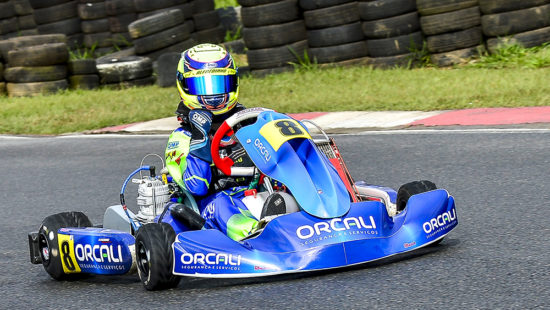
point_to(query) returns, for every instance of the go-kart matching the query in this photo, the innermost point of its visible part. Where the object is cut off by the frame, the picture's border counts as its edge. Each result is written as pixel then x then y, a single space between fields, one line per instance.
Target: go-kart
pixel 311 216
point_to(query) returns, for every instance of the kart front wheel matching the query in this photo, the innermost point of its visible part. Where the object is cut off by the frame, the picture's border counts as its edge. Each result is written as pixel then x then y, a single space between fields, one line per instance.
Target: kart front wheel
pixel 154 256
pixel 406 191
pixel 48 242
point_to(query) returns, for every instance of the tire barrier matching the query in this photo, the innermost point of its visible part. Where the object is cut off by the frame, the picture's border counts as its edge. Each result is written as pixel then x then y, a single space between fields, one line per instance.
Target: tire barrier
pixel 161 33
pixel 334 31
pixel 95 26
pixel 206 21
pixel 37 69
pixel 526 22
pixel 26 24
pixel 452 30
pixel 121 72
pixel 58 16
pixel 392 31
pixel 274 34
pixel 121 13
pixel 83 74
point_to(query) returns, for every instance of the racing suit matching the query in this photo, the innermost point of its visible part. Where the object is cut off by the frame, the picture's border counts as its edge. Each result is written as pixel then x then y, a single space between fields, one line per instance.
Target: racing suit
pixel 190 165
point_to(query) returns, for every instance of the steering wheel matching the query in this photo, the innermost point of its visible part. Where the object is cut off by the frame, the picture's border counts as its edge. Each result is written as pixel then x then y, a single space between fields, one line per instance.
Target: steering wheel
pixel 226 164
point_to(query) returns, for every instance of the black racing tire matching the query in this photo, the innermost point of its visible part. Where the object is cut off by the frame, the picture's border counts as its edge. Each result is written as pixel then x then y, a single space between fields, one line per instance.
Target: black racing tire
pixel 67 27
pixel 256 2
pixel 274 35
pixel 270 14
pixel 148 5
pixel 35 74
pixel 120 23
pixel 90 11
pixel 55 13
pixel 335 35
pixel 98 40
pixel 203 6
pixel 82 66
pixel 26 22
pixel 340 52
pixel 119 7
pixel 379 9
pixel 454 40
pixel 430 7
pixel 155 23
pixel 451 21
pixel 267 58
pixel 2 88
pixel 392 26
pixel 319 4
pixel 48 242
pixel 40 55
pixel 95 26
pixel 508 23
pixel 38 4
pixel 1 70
pixel 26 41
pixel 456 57
pixel 90 81
pixel 22 7
pixel 36 88
pixel 332 16
pixel 393 46
pixel 213 35
pixel 500 6
pixel 119 69
pixel 206 20
pixel 161 39
pixel 155 257
pixel 406 191
pixel 526 39
pixel 7 10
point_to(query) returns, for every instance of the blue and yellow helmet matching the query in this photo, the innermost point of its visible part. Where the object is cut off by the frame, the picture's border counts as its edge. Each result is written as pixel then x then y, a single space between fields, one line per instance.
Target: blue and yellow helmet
pixel 207 78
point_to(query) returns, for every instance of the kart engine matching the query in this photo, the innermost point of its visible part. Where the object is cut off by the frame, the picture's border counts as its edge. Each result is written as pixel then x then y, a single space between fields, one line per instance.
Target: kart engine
pixel 152 197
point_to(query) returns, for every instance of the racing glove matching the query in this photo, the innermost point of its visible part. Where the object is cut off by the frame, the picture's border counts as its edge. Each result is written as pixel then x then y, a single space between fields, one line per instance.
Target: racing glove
pixel 201 122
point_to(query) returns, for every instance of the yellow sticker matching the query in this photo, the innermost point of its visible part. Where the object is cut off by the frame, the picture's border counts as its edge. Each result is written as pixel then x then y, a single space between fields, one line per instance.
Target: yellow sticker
pixel 279 131
pixel 66 250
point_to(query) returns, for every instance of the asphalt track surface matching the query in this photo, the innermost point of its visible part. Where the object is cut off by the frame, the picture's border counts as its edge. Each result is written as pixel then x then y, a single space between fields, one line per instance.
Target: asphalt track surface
pixel 497 258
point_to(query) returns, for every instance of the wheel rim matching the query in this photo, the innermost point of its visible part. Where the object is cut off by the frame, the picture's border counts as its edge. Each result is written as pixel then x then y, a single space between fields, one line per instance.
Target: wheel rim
pixel 143 257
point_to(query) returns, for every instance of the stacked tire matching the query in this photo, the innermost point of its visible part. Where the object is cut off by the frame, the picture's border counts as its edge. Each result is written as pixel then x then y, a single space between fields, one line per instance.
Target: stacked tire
pixel 83 74
pixel 2 83
pixel 147 8
pixel 121 14
pixel 334 31
pixel 525 22
pixel 206 21
pixel 122 72
pixel 274 34
pixel 452 29
pixel 26 24
pixel 160 33
pixel 392 29
pixel 58 16
pixel 35 70
pixel 95 26
pixel 8 20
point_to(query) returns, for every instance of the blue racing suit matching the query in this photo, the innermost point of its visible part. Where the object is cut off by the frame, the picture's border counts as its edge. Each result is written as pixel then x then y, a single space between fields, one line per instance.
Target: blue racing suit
pixel 189 163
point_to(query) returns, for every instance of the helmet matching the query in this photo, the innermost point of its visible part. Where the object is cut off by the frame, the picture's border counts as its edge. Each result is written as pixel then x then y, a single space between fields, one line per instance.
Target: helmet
pixel 207 78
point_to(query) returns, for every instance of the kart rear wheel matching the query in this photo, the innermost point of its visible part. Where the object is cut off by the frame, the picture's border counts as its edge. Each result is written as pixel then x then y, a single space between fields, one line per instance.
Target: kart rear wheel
pixel 407 190
pixel 49 246
pixel 154 256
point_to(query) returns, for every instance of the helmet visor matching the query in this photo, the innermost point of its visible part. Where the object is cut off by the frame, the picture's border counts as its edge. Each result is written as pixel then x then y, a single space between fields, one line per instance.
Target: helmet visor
pixel 210 82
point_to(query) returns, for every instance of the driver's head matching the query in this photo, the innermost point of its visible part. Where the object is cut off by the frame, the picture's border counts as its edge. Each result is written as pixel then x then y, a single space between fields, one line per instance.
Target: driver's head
pixel 207 79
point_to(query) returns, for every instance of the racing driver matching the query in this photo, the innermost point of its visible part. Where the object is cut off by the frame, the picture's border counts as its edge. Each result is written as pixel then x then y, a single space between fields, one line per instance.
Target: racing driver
pixel 208 84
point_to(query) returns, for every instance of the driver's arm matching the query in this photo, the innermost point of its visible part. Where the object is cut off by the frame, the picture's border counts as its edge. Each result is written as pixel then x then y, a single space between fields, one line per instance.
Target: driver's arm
pixel 197 175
